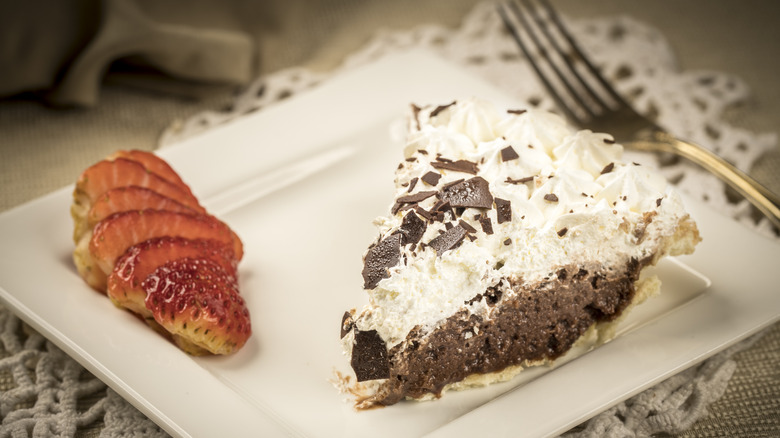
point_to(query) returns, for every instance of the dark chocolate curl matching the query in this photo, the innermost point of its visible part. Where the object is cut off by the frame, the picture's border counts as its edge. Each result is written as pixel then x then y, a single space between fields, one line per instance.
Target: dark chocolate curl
pixel 381 256
pixel 412 229
pixel 509 154
pixel 464 166
pixel 503 210
pixel 450 239
pixel 431 178
pixel 369 356
pixel 474 192
pixel 487 225
pixel 417 197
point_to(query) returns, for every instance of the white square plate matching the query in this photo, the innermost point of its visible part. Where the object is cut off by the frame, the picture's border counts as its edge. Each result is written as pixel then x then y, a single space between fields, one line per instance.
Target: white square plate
pixel 301 182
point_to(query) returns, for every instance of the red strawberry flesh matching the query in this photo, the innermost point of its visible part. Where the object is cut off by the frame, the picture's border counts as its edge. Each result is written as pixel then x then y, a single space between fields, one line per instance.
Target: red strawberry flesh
pixel 106 175
pixel 112 236
pixel 140 260
pixel 198 302
pixel 153 163
pixel 121 199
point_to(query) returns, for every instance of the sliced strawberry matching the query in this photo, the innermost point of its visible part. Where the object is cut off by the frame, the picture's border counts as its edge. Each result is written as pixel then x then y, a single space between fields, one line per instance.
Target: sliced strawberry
pixel 121 199
pixel 198 303
pixel 113 235
pixel 152 163
pixel 140 260
pixel 120 172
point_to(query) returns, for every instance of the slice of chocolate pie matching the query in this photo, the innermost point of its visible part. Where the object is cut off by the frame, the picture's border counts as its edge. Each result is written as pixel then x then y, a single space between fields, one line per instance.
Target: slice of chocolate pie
pixel 511 237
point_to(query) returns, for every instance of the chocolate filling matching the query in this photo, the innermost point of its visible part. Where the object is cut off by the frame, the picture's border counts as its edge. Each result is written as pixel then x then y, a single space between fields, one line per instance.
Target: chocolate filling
pixel 533 323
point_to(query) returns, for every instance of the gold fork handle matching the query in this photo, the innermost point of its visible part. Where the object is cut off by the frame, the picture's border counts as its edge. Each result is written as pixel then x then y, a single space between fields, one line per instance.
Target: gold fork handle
pixel 758 195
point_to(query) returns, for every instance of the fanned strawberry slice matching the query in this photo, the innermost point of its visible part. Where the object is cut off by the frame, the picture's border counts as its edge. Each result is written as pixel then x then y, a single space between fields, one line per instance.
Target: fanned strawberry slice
pixel 121 199
pixel 112 236
pixel 153 163
pixel 121 172
pixel 140 260
pixel 198 303
pixel 142 237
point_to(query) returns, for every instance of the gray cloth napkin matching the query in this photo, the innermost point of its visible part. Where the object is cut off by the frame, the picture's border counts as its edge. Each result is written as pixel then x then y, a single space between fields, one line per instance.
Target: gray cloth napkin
pixel 62 49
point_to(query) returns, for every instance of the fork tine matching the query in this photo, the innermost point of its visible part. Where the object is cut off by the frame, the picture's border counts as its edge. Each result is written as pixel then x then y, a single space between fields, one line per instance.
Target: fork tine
pixel 515 32
pixel 585 99
pixel 578 89
pixel 583 85
pixel 595 72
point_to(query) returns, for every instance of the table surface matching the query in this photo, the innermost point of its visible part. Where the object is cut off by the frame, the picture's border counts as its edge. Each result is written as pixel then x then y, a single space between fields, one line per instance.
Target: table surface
pixel 44 148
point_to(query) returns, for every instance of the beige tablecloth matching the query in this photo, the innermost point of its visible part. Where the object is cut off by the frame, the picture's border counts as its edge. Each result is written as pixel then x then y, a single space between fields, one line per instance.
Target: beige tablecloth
pixel 43 148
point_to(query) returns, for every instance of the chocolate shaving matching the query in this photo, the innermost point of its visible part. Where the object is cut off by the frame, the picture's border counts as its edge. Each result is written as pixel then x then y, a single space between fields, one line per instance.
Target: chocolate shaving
pixel 369 356
pixel 608 168
pixel 379 257
pixel 424 213
pixel 519 180
pixel 552 197
pixel 562 232
pixel 466 226
pixel 508 241
pixel 503 210
pixel 450 239
pixel 415 198
pixel 431 178
pixel 508 154
pixel 474 192
pixel 452 183
pixel 440 208
pixel 400 206
pixel 609 140
pixel 412 229
pixel 412 183
pixel 464 166
pixel 516 111
pixel 487 224
pixel 441 108
pixel 658 202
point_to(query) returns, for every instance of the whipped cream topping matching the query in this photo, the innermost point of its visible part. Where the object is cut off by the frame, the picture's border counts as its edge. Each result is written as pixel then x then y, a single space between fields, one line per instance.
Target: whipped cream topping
pixel 557 197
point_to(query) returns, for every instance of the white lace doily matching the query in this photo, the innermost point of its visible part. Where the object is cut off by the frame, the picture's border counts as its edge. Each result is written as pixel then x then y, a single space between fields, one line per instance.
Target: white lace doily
pixel 53 396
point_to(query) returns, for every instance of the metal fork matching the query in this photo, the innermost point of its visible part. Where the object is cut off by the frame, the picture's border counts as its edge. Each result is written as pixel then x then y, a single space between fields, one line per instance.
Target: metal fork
pixel 589 101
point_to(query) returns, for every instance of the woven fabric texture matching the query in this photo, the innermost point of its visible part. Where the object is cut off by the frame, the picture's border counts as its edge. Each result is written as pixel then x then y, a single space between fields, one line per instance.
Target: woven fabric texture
pixel 43 392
